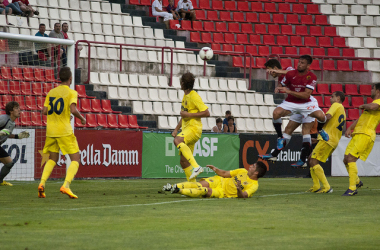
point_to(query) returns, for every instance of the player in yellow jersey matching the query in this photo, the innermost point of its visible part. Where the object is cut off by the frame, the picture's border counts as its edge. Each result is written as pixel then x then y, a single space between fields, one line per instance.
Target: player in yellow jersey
pixel 363 138
pixel 192 110
pixel 336 119
pixel 59 104
pixel 238 183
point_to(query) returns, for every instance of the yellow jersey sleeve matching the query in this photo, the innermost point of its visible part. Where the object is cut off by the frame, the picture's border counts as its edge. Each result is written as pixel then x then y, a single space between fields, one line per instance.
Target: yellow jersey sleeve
pixel 74 97
pixel 335 125
pixel 368 122
pixel 237 172
pixel 198 102
pixel 333 109
pixel 252 188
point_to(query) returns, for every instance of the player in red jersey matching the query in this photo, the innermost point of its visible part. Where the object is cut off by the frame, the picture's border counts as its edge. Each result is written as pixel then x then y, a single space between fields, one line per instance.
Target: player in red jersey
pixel 298 84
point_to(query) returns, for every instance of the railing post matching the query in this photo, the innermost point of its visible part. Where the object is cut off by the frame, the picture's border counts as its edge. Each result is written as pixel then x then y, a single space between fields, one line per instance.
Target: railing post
pixel 121 57
pixel 162 60
pixel 323 59
pixel 171 67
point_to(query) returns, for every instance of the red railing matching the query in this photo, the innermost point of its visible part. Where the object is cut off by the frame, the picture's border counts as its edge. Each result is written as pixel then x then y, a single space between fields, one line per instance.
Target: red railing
pixel 323 58
pixel 172 50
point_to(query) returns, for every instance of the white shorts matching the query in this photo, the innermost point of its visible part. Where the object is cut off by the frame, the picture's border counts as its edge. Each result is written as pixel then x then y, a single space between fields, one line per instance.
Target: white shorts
pixel 304 109
pixel 299 119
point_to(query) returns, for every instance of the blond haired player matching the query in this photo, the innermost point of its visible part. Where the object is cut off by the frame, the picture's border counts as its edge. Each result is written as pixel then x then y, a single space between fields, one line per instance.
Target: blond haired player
pixel 192 110
pixel 363 138
pixel 238 183
pixel 59 104
pixel 336 118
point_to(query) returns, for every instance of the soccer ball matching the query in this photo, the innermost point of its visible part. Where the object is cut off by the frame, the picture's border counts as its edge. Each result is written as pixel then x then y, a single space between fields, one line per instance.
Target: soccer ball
pixel 206 53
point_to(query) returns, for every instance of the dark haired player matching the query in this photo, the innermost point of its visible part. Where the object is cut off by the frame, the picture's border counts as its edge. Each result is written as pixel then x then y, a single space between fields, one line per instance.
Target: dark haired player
pixel 238 183
pixel 7 124
pixel 298 84
pixel 192 110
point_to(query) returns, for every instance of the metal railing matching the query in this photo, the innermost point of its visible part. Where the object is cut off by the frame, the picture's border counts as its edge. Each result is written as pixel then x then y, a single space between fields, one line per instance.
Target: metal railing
pixel 163 49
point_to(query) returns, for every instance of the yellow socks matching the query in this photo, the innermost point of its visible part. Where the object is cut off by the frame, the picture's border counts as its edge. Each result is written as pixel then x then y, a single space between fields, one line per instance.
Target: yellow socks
pixel 318 170
pixel 188 172
pixel 352 174
pixel 194 192
pixel 186 152
pixel 184 185
pixel 49 166
pixel 71 172
pixel 316 184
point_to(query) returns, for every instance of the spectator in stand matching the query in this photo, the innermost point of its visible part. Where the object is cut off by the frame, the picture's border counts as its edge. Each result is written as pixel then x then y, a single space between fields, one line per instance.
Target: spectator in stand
pixel 219 126
pixel 41 49
pixel 65 28
pixel 225 121
pixel 15 8
pixel 157 11
pixel 186 10
pixel 26 7
pixel 4 9
pixel 56 33
pixel 172 10
pixel 231 127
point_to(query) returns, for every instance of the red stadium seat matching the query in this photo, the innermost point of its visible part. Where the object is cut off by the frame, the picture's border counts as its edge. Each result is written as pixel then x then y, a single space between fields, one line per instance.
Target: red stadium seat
pixel 283 40
pixel 237 61
pixel 212 15
pixel 242 39
pixel 36 88
pixel 315 31
pixel 112 121
pixel 277 50
pixel 200 14
pixel 30 103
pixel 285 63
pixel 49 74
pixel 320 100
pixel 348 52
pixel 315 65
pixel 356 101
pixel 243 6
pixel 186 25
pixel 234 27
pixel 343 65
pixel 346 103
pixel 278 18
pixel 246 28
pixel 301 30
pixel 331 31
pixel 238 17
pixel 123 121
pixel 40 102
pixel 287 30
pixel 209 26
pixel 14 88
pixel 21 101
pixel 369 100
pixel 268 40
pixel 36 119
pixel 274 29
pixel 270 7
pixel 6 73
pixel 305 51
pixel 327 101
pixel 225 16
pixel 260 62
pixel 336 87
pixel 106 107
pixel 17 74
pixel 264 18
pixel 292 19
pixel 5 100
pixel 217 5
pixel 134 2
pixel 290 50
pixel 85 105
pixel 195 37
pixel 284 8
pixel 46 87
pixel 215 46
pixel 351 89
pixel 227 47
pixel 365 89
pixel 310 41
pixel 252 49
pixel 329 65
pixel 205 5
pixel 323 89
pixel 25 120
pixel 263 50
pixel 91 121
pixel 78 122
pixel 324 42
pixel 230 5
pixel 81 89
pixel 229 38
pixel 260 29
pixel 307 19
pixel 319 51
pixel 251 17
pixel 132 120
pixel 312 9
pixel 321 20
pixel 221 27
pixel 206 37
pixel 4 87
pixel 39 75
pixel 239 48
pixel 96 106
pixel 256 7
pixel 218 38
pixel 254 39
pixel 145 3
pixel 25 88
pixel 299 8
pixel 352 114
pixel 101 119
pixel 333 52
pixel 358 66
pixel 296 41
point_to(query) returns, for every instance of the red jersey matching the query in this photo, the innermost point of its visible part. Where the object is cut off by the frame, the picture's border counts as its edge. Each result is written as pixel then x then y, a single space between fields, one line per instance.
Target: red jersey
pixel 26 2
pixel 281 77
pixel 298 83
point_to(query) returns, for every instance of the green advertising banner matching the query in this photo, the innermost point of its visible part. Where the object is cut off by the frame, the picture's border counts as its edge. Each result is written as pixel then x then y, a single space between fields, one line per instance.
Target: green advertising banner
pixel 160 158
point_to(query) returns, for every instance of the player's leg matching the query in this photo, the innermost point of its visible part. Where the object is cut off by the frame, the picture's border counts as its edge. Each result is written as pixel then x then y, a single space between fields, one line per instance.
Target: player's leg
pixel 279 112
pixel 352 169
pixel 316 184
pixel 320 154
pixel 6 169
pixel 321 117
pixel 306 145
pixel 51 147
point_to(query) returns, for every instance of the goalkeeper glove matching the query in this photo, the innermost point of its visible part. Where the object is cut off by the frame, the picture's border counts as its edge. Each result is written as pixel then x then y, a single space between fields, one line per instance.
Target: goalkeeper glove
pixel 5 132
pixel 23 134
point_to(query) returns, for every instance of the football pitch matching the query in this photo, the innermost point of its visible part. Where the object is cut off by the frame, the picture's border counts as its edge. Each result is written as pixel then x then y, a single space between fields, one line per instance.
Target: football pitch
pixel 132 214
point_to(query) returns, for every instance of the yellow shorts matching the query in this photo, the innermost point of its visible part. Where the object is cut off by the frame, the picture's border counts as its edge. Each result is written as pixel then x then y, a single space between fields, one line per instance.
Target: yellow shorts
pixel 190 138
pixel 215 183
pixel 67 144
pixel 322 151
pixel 360 146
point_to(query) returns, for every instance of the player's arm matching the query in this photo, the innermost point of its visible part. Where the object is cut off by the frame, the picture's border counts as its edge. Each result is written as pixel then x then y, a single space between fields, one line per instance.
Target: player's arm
pixel 302 95
pixel 179 125
pixel 220 172
pixel 278 71
pixel 350 129
pixel 240 193
pixel 369 106
pixel 75 112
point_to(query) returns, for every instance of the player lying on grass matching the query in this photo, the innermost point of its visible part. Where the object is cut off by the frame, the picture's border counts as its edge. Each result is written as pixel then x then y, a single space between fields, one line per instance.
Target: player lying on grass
pixel 238 183
pixel 363 138
pixel 336 119
pixel 7 124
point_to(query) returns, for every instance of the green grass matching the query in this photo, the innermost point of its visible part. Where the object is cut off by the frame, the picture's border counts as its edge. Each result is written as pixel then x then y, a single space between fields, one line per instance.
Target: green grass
pixel 131 214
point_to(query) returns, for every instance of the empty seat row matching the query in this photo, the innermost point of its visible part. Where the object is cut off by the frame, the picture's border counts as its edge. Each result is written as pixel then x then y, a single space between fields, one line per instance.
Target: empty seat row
pixel 102 6
pixel 356 101
pixel 25 88
pixel 355 9
pixel 359 31
pixel 236 98
pixel 349 89
pixel 109 121
pixel 27 74
pixel 349 20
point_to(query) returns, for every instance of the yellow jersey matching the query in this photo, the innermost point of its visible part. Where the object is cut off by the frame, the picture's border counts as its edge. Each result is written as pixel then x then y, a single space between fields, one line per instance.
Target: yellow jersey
pixel 58 102
pixel 335 125
pixel 368 122
pixel 247 185
pixel 192 103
